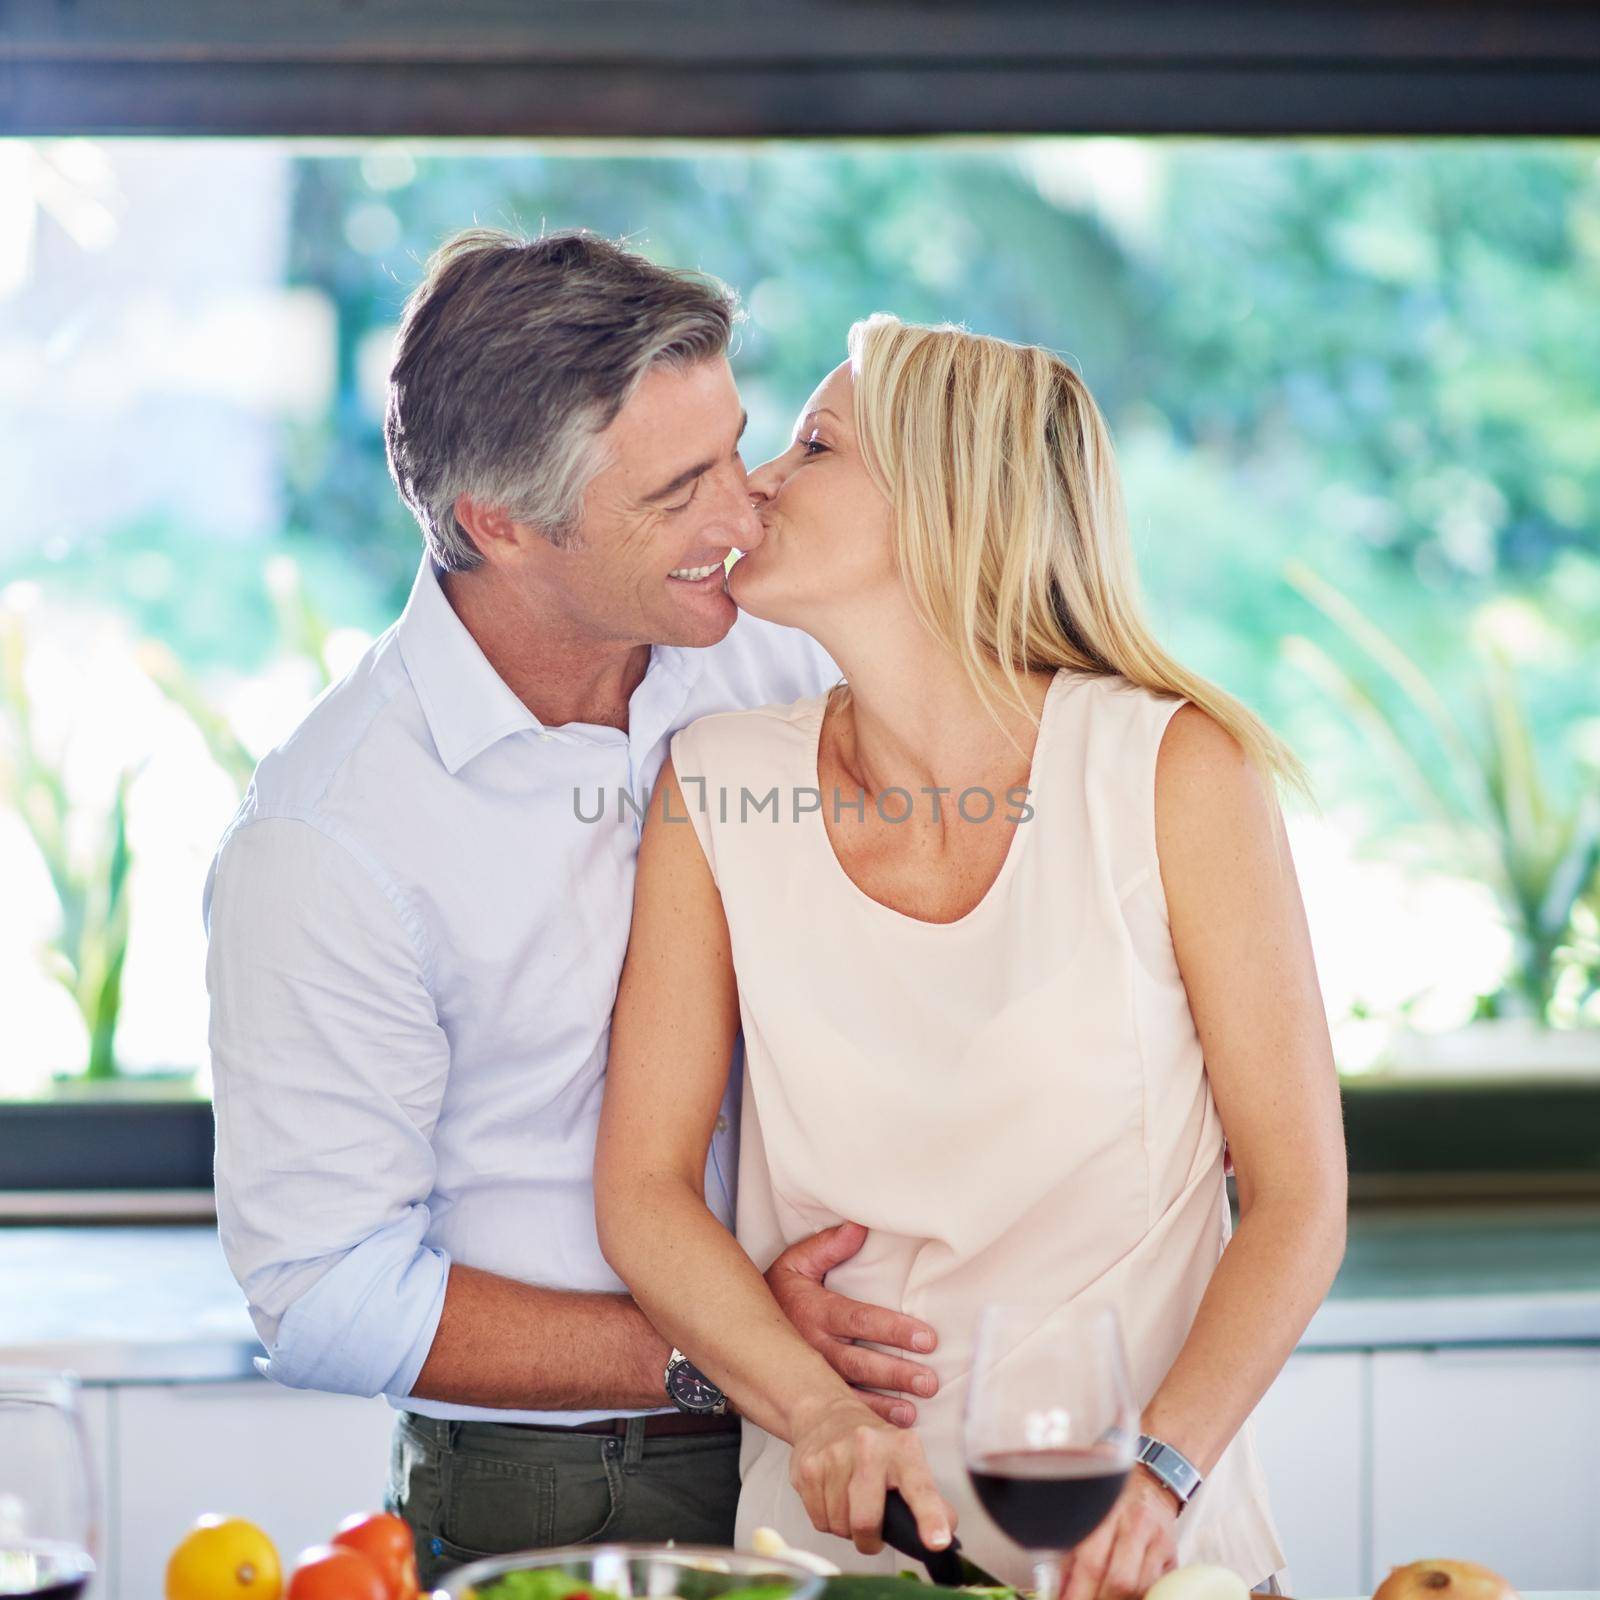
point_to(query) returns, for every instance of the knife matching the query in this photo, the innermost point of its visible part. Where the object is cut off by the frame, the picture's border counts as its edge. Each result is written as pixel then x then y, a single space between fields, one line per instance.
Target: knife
pixel 948 1567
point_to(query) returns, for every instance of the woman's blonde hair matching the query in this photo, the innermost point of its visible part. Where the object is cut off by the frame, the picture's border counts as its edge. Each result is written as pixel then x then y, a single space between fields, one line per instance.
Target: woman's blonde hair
pixel 1009 525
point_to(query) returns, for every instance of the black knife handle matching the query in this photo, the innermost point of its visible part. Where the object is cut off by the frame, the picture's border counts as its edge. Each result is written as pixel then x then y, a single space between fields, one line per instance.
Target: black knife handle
pixel 900 1531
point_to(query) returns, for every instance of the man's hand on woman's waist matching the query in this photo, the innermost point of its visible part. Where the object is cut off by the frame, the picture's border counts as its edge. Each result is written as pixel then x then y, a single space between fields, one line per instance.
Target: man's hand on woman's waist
pixel 831 1323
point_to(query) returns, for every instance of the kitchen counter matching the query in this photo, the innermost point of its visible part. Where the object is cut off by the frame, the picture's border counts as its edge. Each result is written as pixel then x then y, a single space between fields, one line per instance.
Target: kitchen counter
pixel 123 1304
pixel 156 1304
pixel 1465 1274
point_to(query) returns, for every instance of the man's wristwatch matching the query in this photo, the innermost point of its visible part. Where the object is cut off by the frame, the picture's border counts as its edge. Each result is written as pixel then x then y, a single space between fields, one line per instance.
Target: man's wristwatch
pixel 690 1390
pixel 1171 1467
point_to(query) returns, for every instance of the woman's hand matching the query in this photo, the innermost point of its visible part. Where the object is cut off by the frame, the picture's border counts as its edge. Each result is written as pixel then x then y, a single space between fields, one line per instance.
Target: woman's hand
pixel 844 1461
pixel 1129 1550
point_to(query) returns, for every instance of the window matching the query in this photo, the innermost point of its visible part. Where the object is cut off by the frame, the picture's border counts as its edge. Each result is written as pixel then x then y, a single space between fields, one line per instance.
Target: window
pixel 1353 384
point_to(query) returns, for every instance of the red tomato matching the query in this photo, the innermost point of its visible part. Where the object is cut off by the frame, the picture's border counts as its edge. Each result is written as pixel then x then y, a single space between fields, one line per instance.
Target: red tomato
pixel 385 1540
pixel 334 1572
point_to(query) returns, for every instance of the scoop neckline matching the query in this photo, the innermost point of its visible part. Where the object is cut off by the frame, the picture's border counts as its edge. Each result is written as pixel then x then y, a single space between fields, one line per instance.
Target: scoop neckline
pixel 1014 851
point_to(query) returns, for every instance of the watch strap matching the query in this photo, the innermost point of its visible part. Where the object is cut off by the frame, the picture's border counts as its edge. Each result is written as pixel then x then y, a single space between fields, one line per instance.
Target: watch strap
pixel 1171 1466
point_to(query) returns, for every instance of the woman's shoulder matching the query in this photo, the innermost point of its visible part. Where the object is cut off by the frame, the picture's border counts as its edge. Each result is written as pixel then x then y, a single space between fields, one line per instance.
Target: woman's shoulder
pixel 1115 744
pixel 1117 708
pixel 1157 738
pixel 1112 688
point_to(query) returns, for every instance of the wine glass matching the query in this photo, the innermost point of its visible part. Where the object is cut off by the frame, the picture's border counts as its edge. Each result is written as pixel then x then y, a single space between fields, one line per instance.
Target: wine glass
pixel 47 1514
pixel 1051 1426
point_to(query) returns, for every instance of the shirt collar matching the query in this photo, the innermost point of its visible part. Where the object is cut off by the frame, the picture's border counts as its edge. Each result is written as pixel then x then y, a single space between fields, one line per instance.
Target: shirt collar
pixel 467 704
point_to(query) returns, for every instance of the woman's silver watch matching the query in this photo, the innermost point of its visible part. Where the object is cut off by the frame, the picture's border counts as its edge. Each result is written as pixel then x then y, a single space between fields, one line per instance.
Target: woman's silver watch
pixel 1171 1466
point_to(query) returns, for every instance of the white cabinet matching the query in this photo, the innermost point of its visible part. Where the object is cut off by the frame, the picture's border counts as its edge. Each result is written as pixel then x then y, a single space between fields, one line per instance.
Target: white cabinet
pixel 1489 1455
pixel 292 1461
pixel 1312 1435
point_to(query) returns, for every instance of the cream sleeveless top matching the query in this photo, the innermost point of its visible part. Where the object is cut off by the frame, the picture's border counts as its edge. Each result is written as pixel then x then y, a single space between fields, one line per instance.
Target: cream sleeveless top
pixel 1013 1104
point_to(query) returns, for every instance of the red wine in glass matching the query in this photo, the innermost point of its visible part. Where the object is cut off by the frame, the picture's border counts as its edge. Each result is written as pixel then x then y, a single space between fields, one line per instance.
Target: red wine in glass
pixel 1051 1426
pixel 1044 1499
pixel 43 1572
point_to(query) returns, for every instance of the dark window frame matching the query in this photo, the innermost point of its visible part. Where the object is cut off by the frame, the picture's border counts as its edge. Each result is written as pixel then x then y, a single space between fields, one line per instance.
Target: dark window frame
pixel 800 68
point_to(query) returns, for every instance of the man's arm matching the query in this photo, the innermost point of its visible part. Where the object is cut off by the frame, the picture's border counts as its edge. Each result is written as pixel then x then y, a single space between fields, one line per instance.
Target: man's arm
pixel 330 1068
pixel 500 1342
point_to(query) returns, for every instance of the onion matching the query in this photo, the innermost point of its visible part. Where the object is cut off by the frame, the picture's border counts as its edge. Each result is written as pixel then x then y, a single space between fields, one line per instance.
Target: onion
pixel 1199 1582
pixel 1444 1580
pixel 769 1542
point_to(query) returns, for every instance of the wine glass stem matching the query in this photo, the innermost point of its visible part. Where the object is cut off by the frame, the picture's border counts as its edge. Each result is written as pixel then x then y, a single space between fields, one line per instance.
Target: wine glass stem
pixel 1047 1576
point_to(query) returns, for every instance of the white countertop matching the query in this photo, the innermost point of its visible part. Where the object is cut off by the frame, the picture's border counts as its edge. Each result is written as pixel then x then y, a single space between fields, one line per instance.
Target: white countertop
pixel 149 1304
pixel 123 1304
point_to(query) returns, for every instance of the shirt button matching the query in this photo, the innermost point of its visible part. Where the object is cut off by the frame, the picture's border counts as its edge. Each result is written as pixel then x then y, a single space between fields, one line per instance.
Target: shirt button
pixel 545 738
pixel 722 1124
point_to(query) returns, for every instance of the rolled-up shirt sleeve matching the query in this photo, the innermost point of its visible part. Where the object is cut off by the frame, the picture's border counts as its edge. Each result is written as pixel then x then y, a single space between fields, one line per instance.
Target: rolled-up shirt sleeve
pixel 329 1066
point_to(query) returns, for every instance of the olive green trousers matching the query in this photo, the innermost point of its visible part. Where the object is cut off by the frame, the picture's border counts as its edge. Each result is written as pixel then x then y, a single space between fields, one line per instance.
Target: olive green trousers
pixel 474 1489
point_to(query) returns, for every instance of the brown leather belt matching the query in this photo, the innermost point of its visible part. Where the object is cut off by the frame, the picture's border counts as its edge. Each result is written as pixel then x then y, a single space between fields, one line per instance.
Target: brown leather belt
pixel 665 1425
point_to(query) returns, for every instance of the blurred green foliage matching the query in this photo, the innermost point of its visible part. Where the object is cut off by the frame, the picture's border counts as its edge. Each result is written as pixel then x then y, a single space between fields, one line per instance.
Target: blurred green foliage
pixel 88 867
pixel 1383 358
pixel 1539 850
pixel 1377 358
pixel 1380 356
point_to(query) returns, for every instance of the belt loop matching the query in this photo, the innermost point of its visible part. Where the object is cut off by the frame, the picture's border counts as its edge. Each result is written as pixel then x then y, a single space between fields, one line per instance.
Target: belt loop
pixel 452 1432
pixel 633 1446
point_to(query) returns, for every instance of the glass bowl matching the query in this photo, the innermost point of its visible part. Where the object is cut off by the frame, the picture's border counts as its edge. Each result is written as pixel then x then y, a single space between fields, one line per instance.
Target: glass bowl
pixel 644 1572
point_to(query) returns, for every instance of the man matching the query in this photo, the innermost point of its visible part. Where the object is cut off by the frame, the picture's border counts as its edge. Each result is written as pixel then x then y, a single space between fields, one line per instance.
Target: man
pixel 415 935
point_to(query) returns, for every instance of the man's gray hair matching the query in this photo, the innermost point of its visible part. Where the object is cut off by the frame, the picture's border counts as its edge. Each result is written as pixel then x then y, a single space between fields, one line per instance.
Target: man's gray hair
pixel 514 356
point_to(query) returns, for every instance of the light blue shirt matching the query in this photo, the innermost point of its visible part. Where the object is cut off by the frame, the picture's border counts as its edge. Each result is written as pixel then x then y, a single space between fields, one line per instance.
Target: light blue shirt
pixel 414 947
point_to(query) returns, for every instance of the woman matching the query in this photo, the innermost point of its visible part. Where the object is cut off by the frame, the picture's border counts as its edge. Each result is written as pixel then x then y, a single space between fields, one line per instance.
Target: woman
pixel 1018 1051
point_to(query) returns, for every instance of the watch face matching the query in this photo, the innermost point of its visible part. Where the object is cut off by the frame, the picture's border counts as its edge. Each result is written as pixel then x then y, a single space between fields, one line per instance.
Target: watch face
pixel 690 1388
